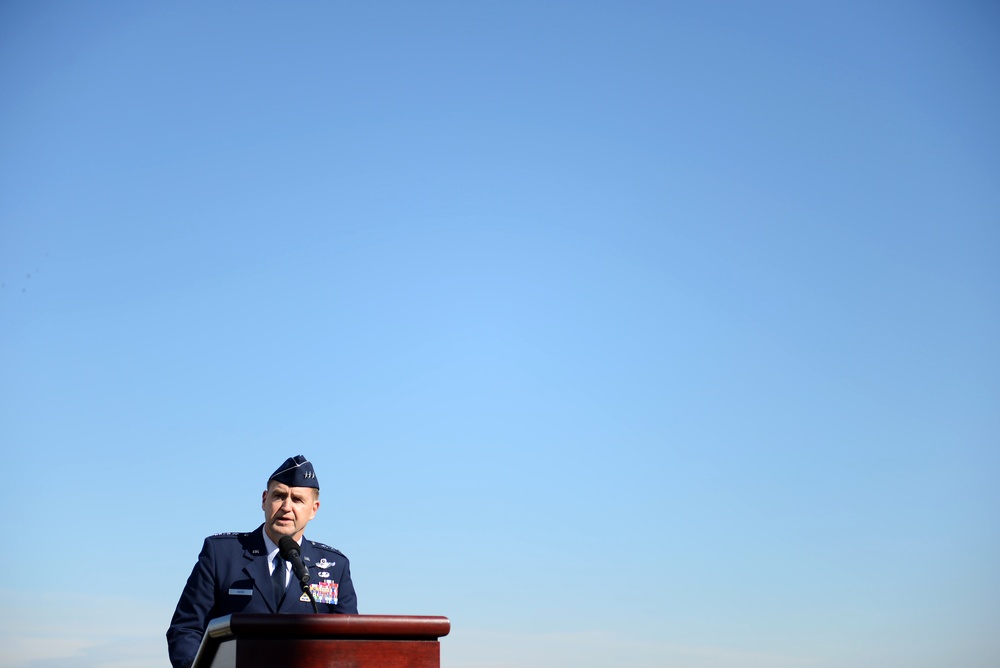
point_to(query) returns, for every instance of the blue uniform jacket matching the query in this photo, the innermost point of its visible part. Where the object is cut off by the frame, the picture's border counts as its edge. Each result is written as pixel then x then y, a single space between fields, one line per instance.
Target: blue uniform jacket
pixel 232 575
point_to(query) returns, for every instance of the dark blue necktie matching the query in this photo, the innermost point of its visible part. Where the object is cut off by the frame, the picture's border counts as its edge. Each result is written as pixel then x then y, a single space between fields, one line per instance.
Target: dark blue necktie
pixel 278 580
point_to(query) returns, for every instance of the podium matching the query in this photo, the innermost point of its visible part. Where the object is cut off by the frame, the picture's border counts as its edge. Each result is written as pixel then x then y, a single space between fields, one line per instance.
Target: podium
pixel 322 641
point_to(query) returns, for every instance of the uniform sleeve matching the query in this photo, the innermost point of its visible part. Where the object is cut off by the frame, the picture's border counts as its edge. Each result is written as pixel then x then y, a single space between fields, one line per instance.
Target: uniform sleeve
pixel 191 615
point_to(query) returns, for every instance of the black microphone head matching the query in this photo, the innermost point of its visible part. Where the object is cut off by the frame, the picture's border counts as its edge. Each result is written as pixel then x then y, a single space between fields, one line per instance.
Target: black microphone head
pixel 287 546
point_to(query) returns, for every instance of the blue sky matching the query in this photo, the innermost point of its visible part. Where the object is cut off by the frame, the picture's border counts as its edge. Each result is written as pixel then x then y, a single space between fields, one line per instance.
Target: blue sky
pixel 658 333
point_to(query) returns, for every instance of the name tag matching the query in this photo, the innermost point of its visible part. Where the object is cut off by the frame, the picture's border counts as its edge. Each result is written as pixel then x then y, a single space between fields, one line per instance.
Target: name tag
pixel 241 592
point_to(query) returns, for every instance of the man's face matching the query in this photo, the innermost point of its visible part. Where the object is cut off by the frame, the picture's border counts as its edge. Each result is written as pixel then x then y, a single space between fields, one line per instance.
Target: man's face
pixel 287 510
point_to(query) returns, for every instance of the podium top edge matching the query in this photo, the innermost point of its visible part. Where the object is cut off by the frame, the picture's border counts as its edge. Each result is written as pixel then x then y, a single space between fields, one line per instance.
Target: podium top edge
pixel 383 627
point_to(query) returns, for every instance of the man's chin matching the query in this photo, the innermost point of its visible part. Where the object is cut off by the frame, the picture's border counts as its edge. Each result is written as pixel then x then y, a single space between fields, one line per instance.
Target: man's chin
pixel 279 530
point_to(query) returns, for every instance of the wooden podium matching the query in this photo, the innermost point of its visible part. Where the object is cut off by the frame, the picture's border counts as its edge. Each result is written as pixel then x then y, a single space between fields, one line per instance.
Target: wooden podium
pixel 322 641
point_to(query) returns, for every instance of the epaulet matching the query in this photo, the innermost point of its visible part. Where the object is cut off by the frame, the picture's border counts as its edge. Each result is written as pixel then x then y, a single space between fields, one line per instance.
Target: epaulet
pixel 229 534
pixel 323 546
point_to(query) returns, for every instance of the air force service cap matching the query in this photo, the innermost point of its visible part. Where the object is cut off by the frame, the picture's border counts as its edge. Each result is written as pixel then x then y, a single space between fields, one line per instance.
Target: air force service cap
pixel 296 472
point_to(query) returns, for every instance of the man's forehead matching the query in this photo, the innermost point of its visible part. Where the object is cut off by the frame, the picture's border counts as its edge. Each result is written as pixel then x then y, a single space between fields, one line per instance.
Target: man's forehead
pixel 275 486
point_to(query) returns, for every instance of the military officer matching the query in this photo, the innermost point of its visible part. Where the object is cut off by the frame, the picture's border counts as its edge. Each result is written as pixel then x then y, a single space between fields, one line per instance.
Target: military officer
pixel 244 572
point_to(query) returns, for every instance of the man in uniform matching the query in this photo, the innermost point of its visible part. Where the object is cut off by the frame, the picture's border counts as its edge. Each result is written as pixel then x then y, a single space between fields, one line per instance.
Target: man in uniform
pixel 244 572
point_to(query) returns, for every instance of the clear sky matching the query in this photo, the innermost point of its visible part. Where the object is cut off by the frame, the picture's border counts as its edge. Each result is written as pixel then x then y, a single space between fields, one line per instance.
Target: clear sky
pixel 661 334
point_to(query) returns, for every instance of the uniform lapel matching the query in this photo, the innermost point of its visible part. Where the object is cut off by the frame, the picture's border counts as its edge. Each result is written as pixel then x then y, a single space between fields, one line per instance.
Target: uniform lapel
pixel 257 569
pixel 308 557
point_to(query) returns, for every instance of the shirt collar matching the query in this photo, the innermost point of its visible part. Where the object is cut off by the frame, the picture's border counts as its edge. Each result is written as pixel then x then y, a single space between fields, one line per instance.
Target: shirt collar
pixel 269 545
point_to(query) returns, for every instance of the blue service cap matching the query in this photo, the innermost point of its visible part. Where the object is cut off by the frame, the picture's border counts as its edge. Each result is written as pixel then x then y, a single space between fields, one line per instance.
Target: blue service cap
pixel 296 472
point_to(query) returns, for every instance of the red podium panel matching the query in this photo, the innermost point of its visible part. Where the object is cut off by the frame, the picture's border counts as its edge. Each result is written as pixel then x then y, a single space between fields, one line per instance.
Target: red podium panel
pixel 322 641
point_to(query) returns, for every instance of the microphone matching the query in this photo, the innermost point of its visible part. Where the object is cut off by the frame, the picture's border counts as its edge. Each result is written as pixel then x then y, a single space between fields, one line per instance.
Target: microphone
pixel 290 552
